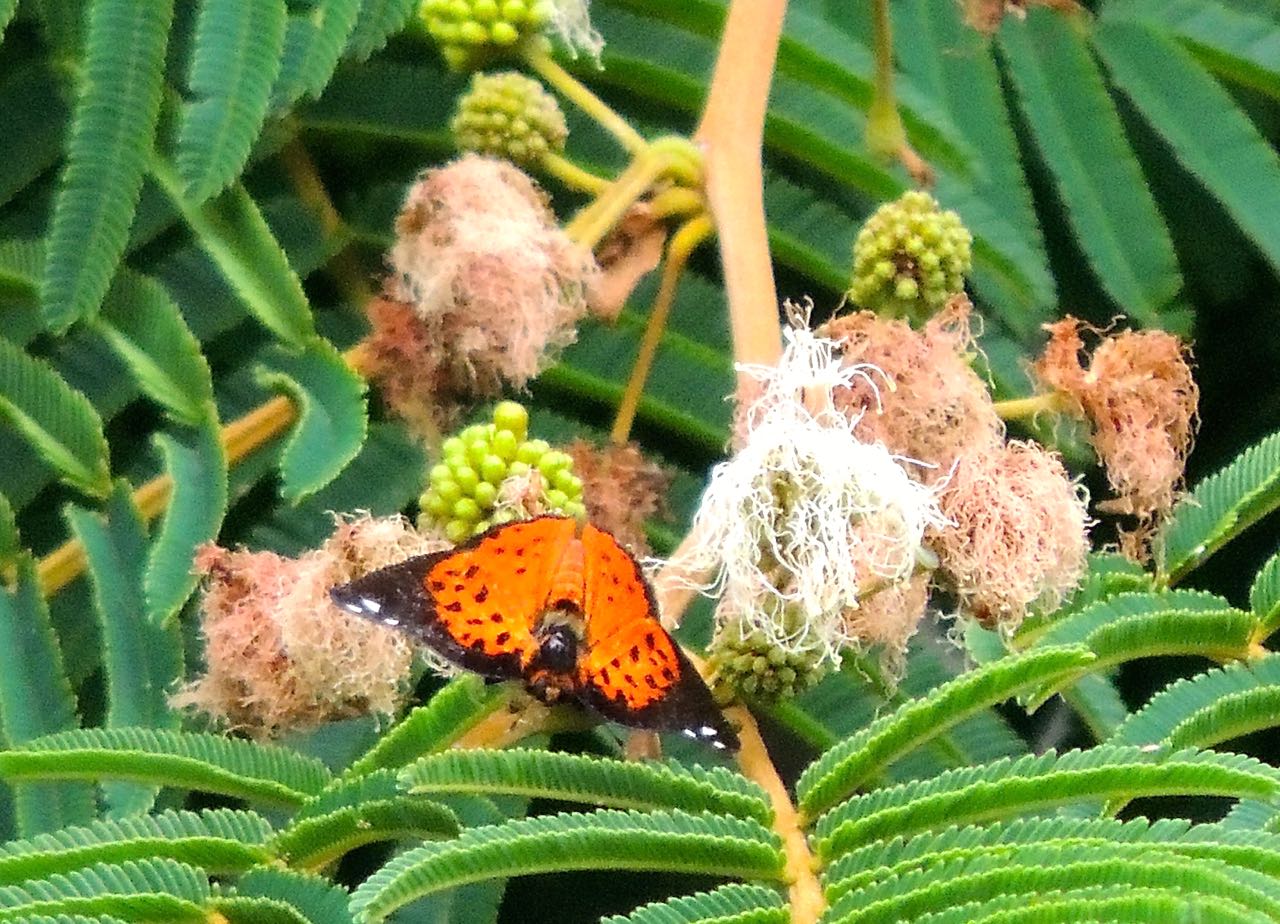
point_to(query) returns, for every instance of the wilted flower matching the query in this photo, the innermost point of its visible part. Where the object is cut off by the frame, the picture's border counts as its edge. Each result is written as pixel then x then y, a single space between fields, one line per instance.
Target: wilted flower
pixel 929 407
pixel 485 288
pixel 279 655
pixel 622 489
pixel 1019 533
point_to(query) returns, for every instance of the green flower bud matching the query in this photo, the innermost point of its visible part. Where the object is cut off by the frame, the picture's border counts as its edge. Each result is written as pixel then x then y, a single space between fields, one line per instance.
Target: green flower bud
pixel 511 417
pixel 509 115
pixel 473 32
pixel 746 662
pixel 910 257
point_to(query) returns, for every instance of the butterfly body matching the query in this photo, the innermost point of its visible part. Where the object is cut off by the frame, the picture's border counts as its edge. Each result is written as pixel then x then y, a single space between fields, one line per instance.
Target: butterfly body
pixel 566 611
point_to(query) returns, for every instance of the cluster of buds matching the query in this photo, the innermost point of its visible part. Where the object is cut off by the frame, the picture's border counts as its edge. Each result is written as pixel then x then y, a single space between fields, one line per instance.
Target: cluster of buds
pixel 472 33
pixel 509 115
pixel 909 258
pixel 487 473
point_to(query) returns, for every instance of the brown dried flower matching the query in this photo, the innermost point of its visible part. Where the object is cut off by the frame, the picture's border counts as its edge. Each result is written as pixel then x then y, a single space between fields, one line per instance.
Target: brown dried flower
pixel 932 407
pixel 889 617
pixel 484 288
pixel 1139 395
pixel 622 489
pixel 1020 533
pixel 279 654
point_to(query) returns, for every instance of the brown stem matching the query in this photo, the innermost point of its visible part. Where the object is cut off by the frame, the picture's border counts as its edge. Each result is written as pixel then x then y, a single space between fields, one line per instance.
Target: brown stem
pixel 731 134
pixel 682 245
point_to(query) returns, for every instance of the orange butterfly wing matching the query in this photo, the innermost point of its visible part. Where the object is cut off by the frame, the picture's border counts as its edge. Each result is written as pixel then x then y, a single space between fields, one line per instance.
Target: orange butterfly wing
pixel 476 604
pixel 631 671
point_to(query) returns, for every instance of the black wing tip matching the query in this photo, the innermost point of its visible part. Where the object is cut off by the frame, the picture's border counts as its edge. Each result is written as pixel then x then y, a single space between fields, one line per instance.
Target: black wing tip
pixel 714 734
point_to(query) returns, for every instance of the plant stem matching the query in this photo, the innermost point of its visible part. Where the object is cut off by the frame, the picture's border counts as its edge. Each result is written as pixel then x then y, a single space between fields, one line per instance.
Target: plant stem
pixel 1021 408
pixel 683 243
pixel 731 134
pixel 596 220
pixel 571 175
pixel 239 438
pixel 576 92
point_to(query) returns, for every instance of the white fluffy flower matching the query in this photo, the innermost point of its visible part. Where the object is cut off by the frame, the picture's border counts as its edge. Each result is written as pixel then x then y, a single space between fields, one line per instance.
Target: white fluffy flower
pixel 805 514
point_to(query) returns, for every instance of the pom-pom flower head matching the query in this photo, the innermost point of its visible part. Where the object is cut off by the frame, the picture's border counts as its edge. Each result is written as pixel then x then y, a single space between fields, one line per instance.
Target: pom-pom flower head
pixel 804 514
pixel 485 289
pixel 279 654
pixel 509 115
pixel 1019 534
pixel 1140 397
pixel 909 257
pixel 621 488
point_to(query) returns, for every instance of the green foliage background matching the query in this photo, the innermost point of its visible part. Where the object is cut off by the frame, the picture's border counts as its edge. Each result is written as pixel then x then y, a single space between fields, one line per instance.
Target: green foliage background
pixel 162 274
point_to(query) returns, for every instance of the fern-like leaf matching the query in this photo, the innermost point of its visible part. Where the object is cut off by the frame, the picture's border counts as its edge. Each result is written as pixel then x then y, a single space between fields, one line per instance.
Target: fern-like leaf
pixel 855 760
pixel 196 461
pixel 313 44
pixel 35 700
pixel 319 900
pixel 1210 708
pixel 1006 789
pixel 1204 123
pixel 142 660
pixel 237 56
pixel 142 324
pixel 433 726
pixel 357 811
pixel 147 890
pixel 206 762
pixel 57 421
pixel 607 839
pixel 111 137
pixel 216 840
pixel 332 423
pixel 377 22
pixel 1264 598
pixel 596 780
pixel 736 903
pixel 1221 507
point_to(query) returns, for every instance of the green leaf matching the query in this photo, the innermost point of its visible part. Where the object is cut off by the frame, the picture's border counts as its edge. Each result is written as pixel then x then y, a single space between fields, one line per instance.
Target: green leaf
pixel 216 840
pixel 144 327
pixel 196 462
pixel 10 540
pixel 57 421
pixel 580 778
pixel 745 904
pixel 142 660
pixel 1264 598
pixel 1035 784
pixel 36 699
pixel 668 841
pixel 859 759
pixel 1210 708
pixel 451 712
pixel 1203 127
pixel 316 898
pixel 1219 508
pixel 312 45
pixel 111 138
pixel 1241 47
pixel 378 21
pixel 232 231
pixel 146 890
pixel 332 423
pixel 237 56
pixel 362 810
pixel 190 760
pixel 7 9
pixel 33 143
pixel 1078 134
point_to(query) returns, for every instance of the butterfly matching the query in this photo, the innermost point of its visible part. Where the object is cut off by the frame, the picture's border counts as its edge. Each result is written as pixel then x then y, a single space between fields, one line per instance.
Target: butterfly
pixel 565 609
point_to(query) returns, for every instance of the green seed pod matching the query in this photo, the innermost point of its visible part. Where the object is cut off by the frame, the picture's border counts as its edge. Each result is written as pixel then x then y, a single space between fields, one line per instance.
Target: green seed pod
pixel 909 258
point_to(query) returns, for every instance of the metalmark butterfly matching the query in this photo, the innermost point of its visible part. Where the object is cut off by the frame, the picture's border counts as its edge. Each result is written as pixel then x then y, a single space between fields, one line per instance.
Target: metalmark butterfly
pixel 567 611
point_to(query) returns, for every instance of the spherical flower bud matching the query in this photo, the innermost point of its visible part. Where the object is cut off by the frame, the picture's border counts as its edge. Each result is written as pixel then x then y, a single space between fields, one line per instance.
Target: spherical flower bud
pixel 909 258
pixel 1019 534
pixel 468 491
pixel 471 33
pixel 279 655
pixel 509 115
pixel 746 662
